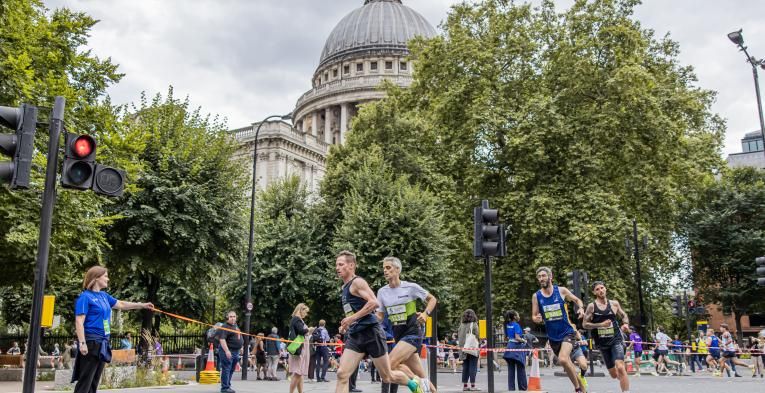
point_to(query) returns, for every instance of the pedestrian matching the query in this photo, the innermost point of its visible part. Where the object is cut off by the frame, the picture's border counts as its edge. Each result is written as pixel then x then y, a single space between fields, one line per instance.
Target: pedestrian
pixel 365 335
pixel 757 348
pixel 230 342
pixel 600 316
pixel 93 315
pixel 260 357
pixel 515 356
pixel 453 343
pixel 636 346
pixel 272 354
pixel 321 338
pixel 531 339
pixel 299 360
pixel 469 349
pixel 548 306
pixel 127 341
pixel 312 357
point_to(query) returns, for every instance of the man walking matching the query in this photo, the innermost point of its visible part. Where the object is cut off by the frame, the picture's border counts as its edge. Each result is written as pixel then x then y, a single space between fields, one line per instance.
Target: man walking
pixel 548 306
pixel 231 342
pixel 321 338
pixel 601 318
pixel 272 354
pixel 365 336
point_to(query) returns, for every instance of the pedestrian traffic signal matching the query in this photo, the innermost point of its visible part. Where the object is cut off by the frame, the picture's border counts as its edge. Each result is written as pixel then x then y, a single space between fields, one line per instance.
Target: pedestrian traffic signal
pixel 19 145
pixel 488 233
pixel 79 161
pixel 573 282
pixel 676 309
pixel 760 261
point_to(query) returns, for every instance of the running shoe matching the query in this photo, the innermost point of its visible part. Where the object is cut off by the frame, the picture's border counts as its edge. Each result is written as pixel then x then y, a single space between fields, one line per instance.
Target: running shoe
pixel 583 382
pixel 419 385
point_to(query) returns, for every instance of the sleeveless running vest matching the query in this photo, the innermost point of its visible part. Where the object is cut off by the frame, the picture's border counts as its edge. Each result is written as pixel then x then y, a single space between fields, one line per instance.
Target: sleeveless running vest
pixel 351 304
pixel 609 335
pixel 553 310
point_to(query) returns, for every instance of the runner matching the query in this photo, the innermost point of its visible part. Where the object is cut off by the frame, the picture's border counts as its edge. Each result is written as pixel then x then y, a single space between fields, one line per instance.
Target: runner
pixel 601 318
pixel 398 302
pixel 662 350
pixel 713 344
pixel 551 299
pixel 364 334
pixel 729 351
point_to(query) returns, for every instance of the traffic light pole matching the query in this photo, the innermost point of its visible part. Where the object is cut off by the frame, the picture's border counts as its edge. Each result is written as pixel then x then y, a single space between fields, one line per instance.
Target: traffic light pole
pixel 43 246
pixel 687 315
pixel 489 323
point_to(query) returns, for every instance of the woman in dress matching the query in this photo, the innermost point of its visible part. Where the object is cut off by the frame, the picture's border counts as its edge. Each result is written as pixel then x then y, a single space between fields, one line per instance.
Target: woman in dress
pixel 298 363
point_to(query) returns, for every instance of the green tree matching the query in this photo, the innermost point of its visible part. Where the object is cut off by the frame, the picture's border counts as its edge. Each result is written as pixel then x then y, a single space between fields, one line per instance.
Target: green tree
pixel 725 233
pixel 182 225
pixel 570 122
pixel 41 57
pixel 288 267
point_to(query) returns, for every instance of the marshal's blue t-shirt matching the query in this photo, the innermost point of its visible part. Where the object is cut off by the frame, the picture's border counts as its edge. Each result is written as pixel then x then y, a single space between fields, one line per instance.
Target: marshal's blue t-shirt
pixel 97 308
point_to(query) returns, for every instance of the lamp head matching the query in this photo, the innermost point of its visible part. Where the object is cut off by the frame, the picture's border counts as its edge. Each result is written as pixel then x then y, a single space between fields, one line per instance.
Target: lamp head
pixel 287 116
pixel 736 37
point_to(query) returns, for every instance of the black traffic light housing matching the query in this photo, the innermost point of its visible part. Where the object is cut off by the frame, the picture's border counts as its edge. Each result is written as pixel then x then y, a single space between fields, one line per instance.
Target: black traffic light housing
pixel 19 146
pixel 760 261
pixel 488 233
pixel 80 170
pixel 676 306
pixel 573 282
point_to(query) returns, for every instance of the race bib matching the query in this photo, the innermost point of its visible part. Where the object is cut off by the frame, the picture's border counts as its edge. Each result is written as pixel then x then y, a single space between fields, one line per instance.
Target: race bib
pixel 553 312
pixel 397 314
pixel 347 309
pixel 107 329
pixel 606 332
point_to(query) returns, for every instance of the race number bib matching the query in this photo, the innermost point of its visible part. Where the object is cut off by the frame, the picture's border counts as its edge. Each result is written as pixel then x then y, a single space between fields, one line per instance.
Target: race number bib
pixel 347 309
pixel 553 312
pixel 397 314
pixel 606 332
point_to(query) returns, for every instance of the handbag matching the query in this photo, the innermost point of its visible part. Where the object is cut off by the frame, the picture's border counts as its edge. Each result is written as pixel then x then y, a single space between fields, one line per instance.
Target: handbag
pixel 296 346
pixel 471 341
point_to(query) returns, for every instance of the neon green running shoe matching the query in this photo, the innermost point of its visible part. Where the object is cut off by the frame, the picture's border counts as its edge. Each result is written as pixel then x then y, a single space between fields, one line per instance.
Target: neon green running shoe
pixel 583 382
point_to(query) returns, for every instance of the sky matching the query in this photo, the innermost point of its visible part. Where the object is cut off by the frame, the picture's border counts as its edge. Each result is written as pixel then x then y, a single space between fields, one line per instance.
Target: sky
pixel 248 59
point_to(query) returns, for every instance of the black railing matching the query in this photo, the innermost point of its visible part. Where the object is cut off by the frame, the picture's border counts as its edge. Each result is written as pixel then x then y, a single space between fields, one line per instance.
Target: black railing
pixel 171 344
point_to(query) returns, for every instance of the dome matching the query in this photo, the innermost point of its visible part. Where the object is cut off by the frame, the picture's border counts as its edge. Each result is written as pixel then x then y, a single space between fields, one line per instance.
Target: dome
pixel 377 25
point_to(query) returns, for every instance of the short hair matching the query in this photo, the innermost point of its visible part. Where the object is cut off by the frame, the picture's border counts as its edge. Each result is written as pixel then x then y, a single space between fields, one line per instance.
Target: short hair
pixel 229 312
pixel 299 309
pixel 94 273
pixel 322 322
pixel 274 330
pixel 596 283
pixel 394 261
pixel 347 255
pixel 724 325
pixel 544 269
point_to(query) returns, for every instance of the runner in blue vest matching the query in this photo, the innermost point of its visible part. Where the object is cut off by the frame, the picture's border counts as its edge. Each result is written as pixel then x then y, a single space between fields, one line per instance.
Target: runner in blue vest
pixel 548 306
pixel 365 336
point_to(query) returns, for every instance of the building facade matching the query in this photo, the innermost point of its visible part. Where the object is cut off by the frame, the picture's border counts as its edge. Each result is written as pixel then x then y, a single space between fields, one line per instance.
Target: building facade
pixel 752 152
pixel 367 46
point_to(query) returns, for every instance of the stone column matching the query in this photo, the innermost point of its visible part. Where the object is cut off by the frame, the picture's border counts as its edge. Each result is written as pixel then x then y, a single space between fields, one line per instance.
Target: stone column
pixel 328 125
pixel 314 123
pixel 343 122
pixel 303 125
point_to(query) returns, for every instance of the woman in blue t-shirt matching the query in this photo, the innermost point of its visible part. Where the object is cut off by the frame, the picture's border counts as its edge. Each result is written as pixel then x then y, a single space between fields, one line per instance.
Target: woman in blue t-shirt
pixel 93 315
pixel 516 359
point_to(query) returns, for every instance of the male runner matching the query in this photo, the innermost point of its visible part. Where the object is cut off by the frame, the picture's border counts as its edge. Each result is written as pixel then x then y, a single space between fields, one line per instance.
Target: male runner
pixel 713 344
pixel 662 349
pixel 398 302
pixel 600 316
pixel 365 336
pixel 729 351
pixel 551 300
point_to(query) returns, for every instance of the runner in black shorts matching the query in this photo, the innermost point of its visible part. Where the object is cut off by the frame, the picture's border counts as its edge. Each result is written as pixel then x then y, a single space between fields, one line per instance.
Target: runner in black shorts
pixel 600 316
pixel 365 336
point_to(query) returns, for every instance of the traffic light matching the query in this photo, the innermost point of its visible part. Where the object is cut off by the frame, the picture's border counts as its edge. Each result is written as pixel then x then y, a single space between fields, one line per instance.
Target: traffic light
pixel 760 271
pixel 19 146
pixel 574 282
pixel 79 161
pixel 676 310
pixel 488 233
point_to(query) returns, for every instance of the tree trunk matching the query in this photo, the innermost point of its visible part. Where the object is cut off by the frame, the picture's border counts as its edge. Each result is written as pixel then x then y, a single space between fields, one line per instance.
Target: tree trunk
pixel 151 283
pixel 737 313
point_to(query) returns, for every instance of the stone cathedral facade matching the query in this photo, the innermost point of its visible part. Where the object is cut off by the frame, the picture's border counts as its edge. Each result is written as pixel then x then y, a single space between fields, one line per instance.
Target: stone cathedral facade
pixel 366 47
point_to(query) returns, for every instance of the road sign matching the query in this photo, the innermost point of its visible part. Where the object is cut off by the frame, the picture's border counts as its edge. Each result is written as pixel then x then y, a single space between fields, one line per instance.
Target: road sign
pixel 249 306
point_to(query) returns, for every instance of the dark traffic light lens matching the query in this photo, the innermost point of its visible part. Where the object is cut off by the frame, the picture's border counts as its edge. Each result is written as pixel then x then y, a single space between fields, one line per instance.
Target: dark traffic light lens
pixel 79 172
pixel 83 146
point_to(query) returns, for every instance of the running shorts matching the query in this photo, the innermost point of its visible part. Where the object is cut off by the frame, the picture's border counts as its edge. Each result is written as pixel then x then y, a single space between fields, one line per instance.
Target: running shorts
pixel 370 341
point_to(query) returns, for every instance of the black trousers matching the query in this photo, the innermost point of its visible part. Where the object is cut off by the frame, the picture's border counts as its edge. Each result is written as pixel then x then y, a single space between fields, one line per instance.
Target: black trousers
pixel 89 369
pixel 322 362
pixel 312 366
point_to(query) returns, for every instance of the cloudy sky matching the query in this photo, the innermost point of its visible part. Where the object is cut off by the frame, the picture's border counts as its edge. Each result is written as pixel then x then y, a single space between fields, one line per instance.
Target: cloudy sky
pixel 247 59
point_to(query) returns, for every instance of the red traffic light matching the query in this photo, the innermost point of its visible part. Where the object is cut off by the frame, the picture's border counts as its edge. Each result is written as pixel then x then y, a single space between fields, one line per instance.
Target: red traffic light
pixel 83 146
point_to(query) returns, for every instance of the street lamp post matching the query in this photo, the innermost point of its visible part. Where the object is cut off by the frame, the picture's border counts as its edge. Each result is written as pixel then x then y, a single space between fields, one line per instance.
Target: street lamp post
pixel 638 275
pixel 737 38
pixel 248 305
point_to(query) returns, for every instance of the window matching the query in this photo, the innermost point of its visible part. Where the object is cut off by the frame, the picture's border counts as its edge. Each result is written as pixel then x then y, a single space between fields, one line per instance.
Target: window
pixel 359 67
pixel 346 69
pixel 388 65
pixel 326 76
pixel 402 66
pixel 373 66
pixel 334 73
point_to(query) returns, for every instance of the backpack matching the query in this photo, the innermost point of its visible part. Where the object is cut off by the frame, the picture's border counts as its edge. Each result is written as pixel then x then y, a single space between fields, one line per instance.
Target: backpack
pixel 212 334
pixel 316 336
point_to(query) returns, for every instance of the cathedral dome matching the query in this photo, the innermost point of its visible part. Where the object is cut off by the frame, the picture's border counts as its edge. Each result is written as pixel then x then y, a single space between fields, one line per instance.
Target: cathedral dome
pixel 379 25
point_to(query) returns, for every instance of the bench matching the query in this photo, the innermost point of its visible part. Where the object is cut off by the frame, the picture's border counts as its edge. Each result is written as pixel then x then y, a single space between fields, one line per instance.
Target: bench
pixel 12 360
